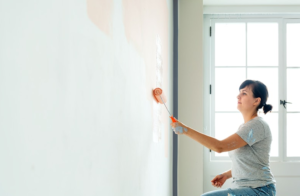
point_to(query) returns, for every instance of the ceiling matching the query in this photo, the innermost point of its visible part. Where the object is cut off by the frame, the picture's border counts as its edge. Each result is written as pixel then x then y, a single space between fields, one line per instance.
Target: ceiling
pixel 251 2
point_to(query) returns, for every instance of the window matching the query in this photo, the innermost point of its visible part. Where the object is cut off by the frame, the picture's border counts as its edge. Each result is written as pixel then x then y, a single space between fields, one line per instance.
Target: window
pixel 264 49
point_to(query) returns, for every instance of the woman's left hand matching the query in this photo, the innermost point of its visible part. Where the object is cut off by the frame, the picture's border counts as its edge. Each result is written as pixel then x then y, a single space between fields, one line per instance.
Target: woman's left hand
pixel 178 127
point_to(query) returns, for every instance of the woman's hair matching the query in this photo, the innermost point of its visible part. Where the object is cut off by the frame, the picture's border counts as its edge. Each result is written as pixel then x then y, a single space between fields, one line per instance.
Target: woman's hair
pixel 258 90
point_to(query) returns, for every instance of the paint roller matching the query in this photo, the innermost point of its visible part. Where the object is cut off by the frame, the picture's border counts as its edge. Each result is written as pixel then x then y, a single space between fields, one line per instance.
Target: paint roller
pixel 161 98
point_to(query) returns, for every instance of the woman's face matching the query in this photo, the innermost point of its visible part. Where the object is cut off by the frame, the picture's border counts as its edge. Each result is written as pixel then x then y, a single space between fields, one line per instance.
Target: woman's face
pixel 246 101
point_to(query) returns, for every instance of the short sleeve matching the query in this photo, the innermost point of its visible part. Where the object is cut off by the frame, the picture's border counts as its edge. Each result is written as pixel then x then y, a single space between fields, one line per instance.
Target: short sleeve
pixel 252 132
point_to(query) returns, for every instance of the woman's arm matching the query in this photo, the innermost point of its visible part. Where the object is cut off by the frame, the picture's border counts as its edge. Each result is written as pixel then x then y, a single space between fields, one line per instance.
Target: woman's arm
pixel 232 142
pixel 228 174
pixel 205 140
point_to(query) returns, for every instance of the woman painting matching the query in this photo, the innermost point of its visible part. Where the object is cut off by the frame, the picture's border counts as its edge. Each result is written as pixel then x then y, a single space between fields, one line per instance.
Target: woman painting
pixel 249 147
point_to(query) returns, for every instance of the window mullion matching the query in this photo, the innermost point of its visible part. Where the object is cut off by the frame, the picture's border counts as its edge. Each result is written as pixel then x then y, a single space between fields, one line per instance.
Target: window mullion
pixel 246 37
pixel 282 121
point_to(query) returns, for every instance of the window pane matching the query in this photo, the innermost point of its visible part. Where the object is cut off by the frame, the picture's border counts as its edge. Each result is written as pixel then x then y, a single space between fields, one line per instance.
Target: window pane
pixel 293 133
pixel 227 81
pixel 293 45
pixel 268 76
pixel 272 120
pixel 293 93
pixel 262 44
pixel 226 124
pixel 230 44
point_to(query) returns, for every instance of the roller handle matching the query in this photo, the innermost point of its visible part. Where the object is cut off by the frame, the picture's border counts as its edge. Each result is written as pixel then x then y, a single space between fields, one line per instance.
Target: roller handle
pixel 173 119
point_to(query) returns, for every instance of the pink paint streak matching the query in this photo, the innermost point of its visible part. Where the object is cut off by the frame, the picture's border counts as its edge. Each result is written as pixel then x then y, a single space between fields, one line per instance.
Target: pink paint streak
pixel 100 13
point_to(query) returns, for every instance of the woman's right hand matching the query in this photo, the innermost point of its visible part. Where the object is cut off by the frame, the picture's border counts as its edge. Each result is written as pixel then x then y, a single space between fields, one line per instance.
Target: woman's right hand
pixel 219 180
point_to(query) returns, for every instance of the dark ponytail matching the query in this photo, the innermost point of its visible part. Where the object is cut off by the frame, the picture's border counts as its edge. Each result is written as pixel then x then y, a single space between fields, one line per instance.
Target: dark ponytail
pixel 267 108
pixel 259 89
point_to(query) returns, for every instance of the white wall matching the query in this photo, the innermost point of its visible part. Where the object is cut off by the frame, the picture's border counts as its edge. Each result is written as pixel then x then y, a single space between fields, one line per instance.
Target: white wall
pixel 190 81
pixel 76 105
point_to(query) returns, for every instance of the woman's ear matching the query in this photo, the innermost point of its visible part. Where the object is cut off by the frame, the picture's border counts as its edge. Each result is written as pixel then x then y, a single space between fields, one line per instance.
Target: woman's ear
pixel 257 101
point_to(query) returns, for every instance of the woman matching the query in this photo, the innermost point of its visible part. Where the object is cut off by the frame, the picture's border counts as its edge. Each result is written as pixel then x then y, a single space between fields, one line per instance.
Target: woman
pixel 248 148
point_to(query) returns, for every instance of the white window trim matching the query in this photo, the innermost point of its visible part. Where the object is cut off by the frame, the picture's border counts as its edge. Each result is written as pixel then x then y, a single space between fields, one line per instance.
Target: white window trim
pixel 251 9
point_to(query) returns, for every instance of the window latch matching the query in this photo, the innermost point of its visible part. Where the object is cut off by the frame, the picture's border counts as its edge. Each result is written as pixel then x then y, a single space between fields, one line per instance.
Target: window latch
pixel 283 103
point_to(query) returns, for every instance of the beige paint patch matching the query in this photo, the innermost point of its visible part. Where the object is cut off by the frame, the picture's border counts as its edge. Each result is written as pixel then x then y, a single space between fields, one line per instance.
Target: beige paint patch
pixel 157 115
pixel 158 126
pixel 144 21
pixel 100 13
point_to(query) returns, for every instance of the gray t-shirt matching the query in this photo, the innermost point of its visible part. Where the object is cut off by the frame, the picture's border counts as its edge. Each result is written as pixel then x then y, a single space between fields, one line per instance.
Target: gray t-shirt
pixel 250 163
